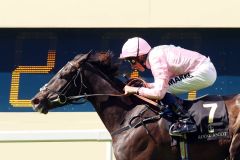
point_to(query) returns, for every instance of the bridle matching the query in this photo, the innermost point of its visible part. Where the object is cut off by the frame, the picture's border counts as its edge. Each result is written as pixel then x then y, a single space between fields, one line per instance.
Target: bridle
pixel 61 95
pixel 63 99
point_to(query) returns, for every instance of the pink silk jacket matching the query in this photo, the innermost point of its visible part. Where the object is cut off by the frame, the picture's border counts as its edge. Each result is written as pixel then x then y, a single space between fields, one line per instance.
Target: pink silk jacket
pixel 166 62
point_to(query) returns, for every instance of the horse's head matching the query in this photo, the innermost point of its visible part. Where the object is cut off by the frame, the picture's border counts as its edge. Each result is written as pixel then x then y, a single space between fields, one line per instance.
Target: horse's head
pixel 71 81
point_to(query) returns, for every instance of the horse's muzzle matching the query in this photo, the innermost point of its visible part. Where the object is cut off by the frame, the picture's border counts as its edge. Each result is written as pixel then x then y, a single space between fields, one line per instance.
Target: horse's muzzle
pixel 39 106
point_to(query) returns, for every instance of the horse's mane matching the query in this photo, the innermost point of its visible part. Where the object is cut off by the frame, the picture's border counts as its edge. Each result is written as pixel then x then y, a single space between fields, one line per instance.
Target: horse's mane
pixel 103 61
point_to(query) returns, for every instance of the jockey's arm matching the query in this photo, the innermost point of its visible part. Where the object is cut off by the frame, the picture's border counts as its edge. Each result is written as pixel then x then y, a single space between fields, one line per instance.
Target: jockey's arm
pixel 158 89
pixel 149 85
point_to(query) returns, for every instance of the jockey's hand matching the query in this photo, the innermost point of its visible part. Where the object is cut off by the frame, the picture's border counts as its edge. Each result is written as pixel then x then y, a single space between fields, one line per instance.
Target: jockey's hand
pixel 130 90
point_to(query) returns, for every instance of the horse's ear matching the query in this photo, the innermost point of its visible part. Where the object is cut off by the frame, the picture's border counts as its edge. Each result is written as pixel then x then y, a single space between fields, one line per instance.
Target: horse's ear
pixel 82 57
pixel 85 57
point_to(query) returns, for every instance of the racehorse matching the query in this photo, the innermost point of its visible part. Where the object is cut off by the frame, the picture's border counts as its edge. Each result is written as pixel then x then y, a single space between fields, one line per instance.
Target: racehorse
pixel 138 131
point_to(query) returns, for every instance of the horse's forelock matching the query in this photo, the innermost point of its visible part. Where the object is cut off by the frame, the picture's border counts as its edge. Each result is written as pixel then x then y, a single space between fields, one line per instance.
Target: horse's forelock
pixel 101 57
pixel 105 62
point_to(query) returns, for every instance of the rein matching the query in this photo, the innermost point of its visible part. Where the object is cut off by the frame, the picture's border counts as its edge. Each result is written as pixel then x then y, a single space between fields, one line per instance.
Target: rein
pixel 93 95
pixel 62 98
pixel 112 95
pixel 83 96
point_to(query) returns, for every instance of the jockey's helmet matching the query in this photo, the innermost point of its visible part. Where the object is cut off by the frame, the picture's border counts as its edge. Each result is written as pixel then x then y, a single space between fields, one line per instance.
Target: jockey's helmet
pixel 134 47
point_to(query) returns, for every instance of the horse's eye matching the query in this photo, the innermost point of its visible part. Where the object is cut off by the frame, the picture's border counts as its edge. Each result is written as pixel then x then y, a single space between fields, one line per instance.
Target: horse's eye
pixel 63 75
pixel 60 76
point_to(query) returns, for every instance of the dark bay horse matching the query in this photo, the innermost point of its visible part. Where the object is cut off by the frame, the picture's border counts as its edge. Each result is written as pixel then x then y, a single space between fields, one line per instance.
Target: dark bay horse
pixel 93 76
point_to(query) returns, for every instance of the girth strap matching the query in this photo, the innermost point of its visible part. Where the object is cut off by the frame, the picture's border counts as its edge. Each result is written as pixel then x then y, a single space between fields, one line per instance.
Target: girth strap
pixel 143 121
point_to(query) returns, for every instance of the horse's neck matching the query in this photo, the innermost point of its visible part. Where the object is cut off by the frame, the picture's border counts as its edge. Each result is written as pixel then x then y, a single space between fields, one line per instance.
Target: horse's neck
pixel 112 115
pixel 110 109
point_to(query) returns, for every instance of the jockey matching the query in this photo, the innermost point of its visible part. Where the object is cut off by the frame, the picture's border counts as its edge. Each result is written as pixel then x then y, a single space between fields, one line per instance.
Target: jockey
pixel 175 70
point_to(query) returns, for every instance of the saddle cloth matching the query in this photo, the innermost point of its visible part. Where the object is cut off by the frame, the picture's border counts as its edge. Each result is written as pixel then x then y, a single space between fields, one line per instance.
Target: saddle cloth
pixel 211 118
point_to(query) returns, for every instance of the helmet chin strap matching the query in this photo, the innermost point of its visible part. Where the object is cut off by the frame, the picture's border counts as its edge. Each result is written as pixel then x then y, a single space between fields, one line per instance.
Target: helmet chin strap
pixel 142 62
pixel 138 48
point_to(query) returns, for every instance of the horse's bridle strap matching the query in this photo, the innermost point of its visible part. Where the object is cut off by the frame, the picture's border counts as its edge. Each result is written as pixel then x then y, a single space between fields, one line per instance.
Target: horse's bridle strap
pixel 150 101
pixel 87 95
pixel 116 95
pixel 93 95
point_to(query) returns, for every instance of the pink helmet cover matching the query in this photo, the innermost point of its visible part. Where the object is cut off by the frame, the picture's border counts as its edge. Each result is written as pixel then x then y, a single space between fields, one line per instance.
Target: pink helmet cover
pixel 131 47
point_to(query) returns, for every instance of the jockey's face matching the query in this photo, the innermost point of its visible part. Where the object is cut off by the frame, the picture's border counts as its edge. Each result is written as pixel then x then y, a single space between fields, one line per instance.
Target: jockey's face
pixel 137 63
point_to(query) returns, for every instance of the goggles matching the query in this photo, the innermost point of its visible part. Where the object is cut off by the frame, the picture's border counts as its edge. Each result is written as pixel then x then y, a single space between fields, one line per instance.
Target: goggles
pixel 131 61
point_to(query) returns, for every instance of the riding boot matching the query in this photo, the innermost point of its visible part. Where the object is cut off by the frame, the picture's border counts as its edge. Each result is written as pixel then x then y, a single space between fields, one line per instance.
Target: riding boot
pixel 184 123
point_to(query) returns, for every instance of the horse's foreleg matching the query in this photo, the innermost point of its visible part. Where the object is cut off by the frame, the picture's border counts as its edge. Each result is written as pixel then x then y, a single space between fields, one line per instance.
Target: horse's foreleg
pixel 235 147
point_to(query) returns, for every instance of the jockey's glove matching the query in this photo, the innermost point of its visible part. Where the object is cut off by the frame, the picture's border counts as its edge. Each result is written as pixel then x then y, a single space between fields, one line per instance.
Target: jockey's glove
pixel 130 90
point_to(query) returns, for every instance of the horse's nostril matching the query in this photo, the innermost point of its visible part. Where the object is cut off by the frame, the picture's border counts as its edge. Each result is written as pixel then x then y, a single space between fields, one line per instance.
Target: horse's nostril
pixel 35 101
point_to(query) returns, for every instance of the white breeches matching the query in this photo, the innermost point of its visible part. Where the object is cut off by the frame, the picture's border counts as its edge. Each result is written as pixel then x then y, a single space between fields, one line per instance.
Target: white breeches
pixel 204 76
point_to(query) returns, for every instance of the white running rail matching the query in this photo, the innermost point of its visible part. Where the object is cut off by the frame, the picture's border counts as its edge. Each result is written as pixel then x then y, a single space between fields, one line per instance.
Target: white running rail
pixel 58 135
